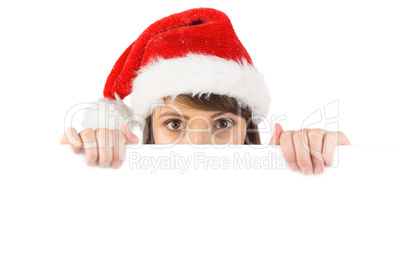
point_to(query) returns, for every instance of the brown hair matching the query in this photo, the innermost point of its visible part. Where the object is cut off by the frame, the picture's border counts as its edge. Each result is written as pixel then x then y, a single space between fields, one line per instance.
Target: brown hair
pixel 212 102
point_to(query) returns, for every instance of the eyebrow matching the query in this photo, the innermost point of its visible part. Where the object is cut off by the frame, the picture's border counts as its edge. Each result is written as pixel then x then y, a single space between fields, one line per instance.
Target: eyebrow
pixel 171 113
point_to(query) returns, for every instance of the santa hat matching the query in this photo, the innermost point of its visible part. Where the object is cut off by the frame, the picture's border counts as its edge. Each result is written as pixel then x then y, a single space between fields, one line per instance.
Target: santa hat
pixel 192 52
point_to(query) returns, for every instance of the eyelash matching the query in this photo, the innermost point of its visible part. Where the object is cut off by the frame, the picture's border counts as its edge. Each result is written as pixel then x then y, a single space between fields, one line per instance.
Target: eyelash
pixel 217 121
pixel 230 121
pixel 170 121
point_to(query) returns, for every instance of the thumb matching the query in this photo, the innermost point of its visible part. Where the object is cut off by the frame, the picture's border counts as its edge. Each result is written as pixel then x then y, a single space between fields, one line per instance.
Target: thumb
pixel 64 139
pixel 130 137
pixel 277 133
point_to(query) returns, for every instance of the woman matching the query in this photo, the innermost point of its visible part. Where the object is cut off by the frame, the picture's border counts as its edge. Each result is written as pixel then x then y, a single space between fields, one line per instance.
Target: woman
pixel 190 80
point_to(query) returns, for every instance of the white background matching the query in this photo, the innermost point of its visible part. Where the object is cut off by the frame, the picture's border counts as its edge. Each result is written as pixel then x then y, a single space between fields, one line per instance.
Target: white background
pixel 70 215
pixel 57 54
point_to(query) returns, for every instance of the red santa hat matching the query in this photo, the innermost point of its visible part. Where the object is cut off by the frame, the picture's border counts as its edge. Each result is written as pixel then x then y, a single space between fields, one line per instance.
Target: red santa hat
pixel 192 52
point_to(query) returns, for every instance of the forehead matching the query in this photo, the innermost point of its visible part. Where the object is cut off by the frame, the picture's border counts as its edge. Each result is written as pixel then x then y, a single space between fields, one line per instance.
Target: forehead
pixel 187 112
pixel 177 107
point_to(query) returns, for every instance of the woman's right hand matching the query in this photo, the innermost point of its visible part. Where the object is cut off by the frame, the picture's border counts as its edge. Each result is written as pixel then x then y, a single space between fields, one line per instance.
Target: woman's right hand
pixel 106 146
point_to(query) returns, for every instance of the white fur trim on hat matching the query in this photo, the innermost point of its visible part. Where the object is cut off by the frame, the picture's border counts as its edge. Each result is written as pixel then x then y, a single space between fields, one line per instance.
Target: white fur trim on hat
pixel 108 113
pixel 195 74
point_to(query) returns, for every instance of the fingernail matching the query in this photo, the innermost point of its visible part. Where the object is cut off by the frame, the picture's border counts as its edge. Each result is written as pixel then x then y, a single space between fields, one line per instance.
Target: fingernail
pixel 104 165
pixel 294 167
pixel 116 164
pixel 128 131
pixel 123 129
pixel 306 170
pixel 317 169
pixel 91 163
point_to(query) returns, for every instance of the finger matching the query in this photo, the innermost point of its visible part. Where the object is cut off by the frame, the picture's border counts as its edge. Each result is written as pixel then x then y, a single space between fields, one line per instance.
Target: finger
pixel 343 140
pixel 64 139
pixel 277 133
pixel 105 143
pixel 315 139
pixel 288 150
pixel 90 145
pixel 300 141
pixel 331 140
pixel 129 135
pixel 74 140
pixel 118 148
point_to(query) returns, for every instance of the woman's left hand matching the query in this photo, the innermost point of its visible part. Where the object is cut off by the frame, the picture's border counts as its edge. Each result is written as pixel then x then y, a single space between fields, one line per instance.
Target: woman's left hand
pixel 308 150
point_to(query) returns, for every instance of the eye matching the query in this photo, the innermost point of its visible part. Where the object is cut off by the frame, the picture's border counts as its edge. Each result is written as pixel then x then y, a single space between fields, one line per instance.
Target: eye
pixel 174 124
pixel 224 123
